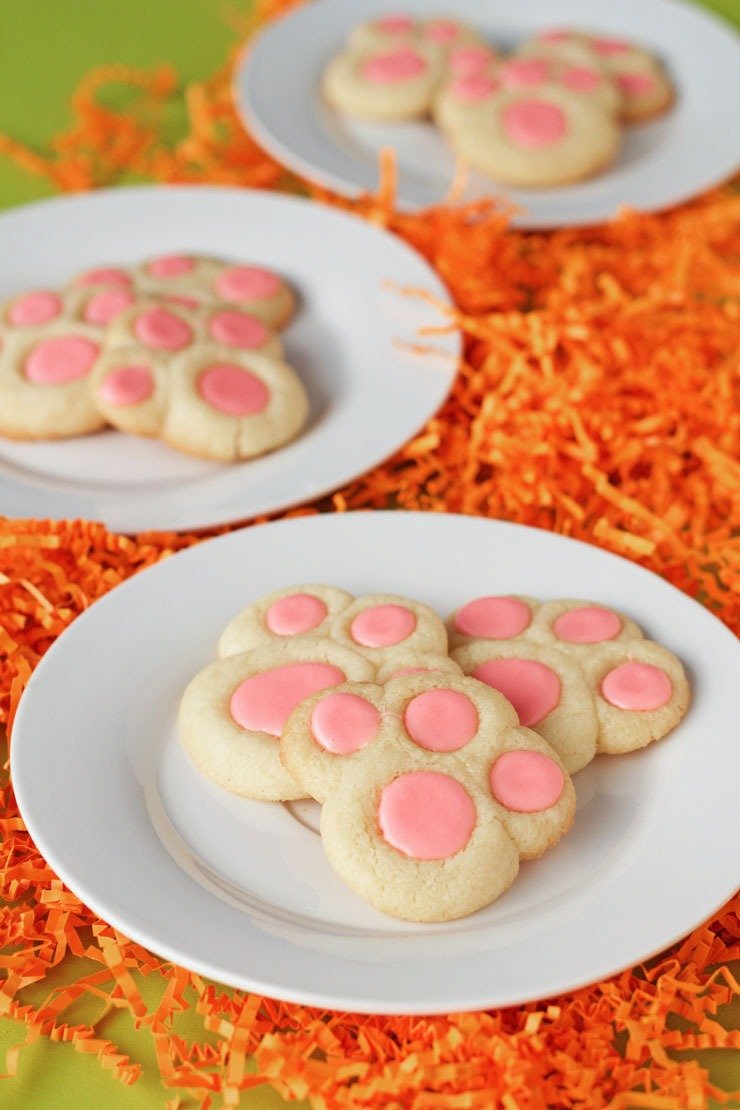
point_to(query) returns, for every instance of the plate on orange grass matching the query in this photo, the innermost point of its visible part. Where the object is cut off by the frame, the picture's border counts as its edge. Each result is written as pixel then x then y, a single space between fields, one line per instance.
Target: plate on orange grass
pixel 350 342
pixel 241 891
pixel 662 163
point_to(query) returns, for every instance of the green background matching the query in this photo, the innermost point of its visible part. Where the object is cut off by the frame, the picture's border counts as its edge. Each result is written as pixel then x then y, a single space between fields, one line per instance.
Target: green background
pixel 46 46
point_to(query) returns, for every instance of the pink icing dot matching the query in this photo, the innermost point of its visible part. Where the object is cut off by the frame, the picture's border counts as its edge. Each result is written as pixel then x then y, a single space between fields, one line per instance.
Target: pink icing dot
pixel 106 276
pixel 233 390
pixel 104 307
pixel 441 30
pixel 534 123
pixel 526 781
pixel 162 330
pixel 588 625
pixel 34 308
pixel 296 614
pixel 532 688
pixel 394 66
pixel 171 265
pixel 264 702
pixel 580 78
pixel 637 686
pixel 493 618
pixel 635 84
pixel 467 60
pixel 476 86
pixel 395 24
pixel 382 625
pixel 522 72
pixel 129 385
pixel 426 815
pixel 247 283
pixel 344 723
pixel 178 298
pixel 608 47
pixel 56 361
pixel 237 329
pixel 441 720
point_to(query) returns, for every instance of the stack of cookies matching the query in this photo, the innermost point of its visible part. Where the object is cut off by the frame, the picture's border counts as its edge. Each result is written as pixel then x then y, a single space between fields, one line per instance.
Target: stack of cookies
pixel 437 769
pixel 548 114
pixel 183 348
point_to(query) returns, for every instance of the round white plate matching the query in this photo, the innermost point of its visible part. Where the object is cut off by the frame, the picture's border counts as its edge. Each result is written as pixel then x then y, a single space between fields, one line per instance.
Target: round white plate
pixel 241 891
pixel 368 393
pixel 691 148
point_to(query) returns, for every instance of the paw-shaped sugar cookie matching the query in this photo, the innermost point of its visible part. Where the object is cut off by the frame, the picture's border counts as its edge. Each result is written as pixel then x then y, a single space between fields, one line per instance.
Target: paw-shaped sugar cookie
pixel 44 377
pixel 544 137
pixel 565 665
pixel 214 402
pixel 170 327
pixel 284 614
pixel 431 791
pixel 387 628
pixel 383 84
pixel 232 713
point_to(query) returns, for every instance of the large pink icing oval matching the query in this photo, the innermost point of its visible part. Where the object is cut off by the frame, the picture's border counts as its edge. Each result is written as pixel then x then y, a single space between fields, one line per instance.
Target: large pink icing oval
pixel 34 308
pixel 637 686
pixel 233 328
pixel 394 66
pixel 61 359
pixel 589 624
pixel 344 723
pixel 493 618
pixel 532 688
pixel 264 702
pixel 295 614
pixel 426 815
pixel 441 720
pixel 128 385
pixel 247 283
pixel 526 782
pixel 382 625
pixel 162 330
pixel 233 390
pixel 533 124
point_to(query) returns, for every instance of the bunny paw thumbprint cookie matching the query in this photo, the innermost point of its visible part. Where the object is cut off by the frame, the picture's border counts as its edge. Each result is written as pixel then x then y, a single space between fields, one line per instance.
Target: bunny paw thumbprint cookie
pixel 581 675
pixel 431 791
pixel 232 713
pixel 386 84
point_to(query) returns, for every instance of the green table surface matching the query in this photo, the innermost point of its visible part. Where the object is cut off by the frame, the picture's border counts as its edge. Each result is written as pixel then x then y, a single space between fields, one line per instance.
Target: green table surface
pixel 46 46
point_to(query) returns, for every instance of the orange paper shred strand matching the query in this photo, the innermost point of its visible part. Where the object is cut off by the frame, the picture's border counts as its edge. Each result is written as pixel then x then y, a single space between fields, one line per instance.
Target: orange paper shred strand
pixel 598 397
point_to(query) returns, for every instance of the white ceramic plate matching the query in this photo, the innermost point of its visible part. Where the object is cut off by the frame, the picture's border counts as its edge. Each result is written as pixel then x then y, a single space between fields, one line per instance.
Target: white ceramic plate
pixel 662 163
pixel 241 890
pixel 368 394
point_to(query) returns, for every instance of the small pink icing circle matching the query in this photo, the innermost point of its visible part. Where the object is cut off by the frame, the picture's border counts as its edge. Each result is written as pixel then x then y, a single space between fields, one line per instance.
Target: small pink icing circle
pixel 637 686
pixel 520 73
pixel 588 625
pixel 393 66
pixel 59 360
pixel 580 78
pixel 441 30
pixel 264 702
pixel 426 815
pixel 34 308
pixel 129 385
pixel 468 60
pixel 247 283
pixel 532 124
pixel 382 625
pixel 295 614
pixel 532 688
pixel 441 720
pixel 162 330
pixel 233 390
pixel 608 47
pixel 526 781
pixel 106 276
pixel 237 329
pixel 171 265
pixel 493 618
pixel 395 24
pixel 474 86
pixel 344 723
pixel 635 84
pixel 106 305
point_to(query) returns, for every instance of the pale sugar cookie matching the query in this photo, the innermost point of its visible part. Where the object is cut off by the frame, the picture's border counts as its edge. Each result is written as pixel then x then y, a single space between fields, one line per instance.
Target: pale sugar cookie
pixel 385 627
pixel 393 84
pixel 232 713
pixel 289 613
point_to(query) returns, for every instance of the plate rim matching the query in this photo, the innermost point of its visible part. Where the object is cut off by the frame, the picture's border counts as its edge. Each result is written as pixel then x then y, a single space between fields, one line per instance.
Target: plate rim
pixel 312 997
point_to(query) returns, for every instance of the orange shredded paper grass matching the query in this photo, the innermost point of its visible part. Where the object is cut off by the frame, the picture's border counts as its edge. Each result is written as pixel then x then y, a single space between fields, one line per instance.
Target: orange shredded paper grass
pixel 598 397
